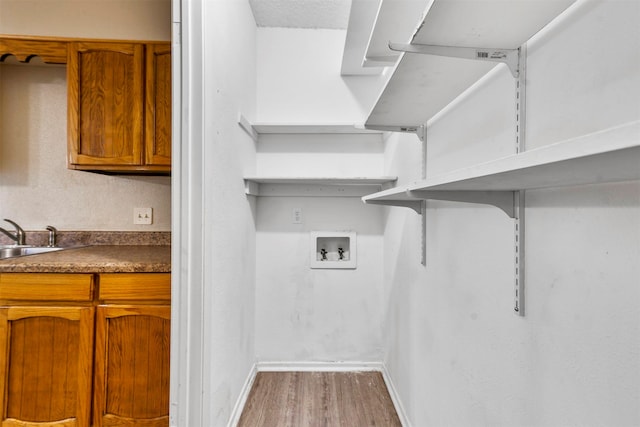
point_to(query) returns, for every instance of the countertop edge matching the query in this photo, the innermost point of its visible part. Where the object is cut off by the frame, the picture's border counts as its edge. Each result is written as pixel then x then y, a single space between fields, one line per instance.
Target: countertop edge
pixel 94 259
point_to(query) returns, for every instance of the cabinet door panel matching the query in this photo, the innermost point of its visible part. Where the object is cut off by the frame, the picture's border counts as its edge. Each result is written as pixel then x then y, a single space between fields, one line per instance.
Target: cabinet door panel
pixel 45 376
pixel 105 94
pixel 132 365
pixel 158 105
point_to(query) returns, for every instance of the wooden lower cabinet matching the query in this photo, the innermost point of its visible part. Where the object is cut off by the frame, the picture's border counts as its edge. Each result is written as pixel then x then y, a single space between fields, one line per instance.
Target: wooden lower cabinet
pixel 46 377
pixel 71 356
pixel 132 366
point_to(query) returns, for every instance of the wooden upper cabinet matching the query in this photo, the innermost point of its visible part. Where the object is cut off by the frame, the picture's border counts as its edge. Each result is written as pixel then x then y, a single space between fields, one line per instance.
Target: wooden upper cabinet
pixel 105 92
pixel 158 105
pixel 49 50
pixel 119 107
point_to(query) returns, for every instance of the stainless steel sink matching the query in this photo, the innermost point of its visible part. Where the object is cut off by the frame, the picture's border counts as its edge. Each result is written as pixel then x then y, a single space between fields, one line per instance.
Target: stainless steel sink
pixel 17 251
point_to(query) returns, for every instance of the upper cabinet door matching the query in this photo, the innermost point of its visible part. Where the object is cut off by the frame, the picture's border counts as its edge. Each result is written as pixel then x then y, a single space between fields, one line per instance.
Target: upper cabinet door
pixel 158 104
pixel 105 103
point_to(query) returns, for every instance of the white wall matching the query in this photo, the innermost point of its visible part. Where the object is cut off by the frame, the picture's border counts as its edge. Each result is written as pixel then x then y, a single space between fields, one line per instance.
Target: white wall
pixel 36 188
pixel 299 78
pixel 456 352
pixel 305 315
pixel 228 229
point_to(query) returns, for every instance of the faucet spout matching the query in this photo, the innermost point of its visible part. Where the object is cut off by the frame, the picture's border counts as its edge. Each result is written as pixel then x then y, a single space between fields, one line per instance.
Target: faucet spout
pixel 53 235
pixel 18 235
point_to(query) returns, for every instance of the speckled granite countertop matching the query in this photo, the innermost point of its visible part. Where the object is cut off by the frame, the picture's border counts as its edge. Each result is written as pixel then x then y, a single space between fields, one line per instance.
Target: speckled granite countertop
pixel 94 259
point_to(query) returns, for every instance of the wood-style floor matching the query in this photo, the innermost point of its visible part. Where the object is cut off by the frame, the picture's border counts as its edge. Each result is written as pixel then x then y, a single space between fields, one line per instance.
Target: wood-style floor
pixel 319 399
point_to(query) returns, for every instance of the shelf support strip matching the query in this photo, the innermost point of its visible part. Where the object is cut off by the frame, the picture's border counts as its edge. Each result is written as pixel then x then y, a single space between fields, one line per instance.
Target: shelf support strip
pixel 519 196
pixel 510 57
pixel 518 304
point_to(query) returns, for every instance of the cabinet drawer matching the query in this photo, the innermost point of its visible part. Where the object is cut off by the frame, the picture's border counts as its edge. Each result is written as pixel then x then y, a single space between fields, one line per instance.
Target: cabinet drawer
pixel 135 287
pixel 46 287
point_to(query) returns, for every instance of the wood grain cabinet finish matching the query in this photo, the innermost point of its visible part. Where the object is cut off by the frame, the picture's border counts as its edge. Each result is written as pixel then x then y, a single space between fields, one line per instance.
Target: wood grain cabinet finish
pixel 46 349
pixel 132 366
pixel 132 350
pixel 46 287
pixel 24 49
pixel 158 105
pixel 77 357
pixel 123 288
pixel 119 107
pixel 46 374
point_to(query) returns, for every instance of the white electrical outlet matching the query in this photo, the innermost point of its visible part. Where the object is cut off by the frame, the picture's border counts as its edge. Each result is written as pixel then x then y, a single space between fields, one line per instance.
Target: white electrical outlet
pixel 297 215
pixel 143 216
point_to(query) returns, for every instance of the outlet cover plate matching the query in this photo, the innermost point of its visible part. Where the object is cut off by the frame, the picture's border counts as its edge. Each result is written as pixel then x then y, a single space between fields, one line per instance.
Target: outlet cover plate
pixel 143 216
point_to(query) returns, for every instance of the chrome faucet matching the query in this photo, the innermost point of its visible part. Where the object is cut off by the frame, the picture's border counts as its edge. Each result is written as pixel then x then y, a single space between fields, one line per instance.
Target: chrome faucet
pixel 18 235
pixel 53 235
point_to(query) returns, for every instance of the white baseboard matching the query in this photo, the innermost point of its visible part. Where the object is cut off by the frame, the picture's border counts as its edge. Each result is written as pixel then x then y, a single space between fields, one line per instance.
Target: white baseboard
pixel 395 397
pixel 316 367
pixel 242 399
pixel 283 366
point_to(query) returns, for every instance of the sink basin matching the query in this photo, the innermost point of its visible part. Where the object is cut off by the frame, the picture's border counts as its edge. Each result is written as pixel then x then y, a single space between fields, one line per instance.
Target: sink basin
pixel 17 251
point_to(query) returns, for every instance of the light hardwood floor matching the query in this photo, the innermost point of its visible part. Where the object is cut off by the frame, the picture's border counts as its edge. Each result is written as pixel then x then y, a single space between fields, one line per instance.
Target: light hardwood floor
pixel 318 399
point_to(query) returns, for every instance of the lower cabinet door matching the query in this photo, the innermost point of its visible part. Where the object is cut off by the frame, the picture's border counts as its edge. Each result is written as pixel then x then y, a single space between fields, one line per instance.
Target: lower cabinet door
pixel 132 366
pixel 46 366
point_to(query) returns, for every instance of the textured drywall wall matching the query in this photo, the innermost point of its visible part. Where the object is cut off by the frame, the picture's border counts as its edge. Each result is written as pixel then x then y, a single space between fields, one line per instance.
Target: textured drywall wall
pixel 305 315
pixel 317 315
pixel 36 188
pixel 111 19
pixel 320 155
pixel 228 228
pixel 299 79
pixel 456 353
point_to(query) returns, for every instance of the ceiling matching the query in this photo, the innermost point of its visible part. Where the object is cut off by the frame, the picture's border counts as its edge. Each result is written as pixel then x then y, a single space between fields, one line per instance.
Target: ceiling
pixel 329 14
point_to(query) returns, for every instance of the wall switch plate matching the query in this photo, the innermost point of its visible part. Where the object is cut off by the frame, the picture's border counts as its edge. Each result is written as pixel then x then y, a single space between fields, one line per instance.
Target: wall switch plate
pixel 143 216
pixel 297 215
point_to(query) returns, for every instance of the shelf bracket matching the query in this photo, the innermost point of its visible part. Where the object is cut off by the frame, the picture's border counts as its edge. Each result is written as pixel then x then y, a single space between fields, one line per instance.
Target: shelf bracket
pixel 415 205
pixel 251 188
pixel 248 127
pixel 503 200
pixel 420 131
pixel 510 57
